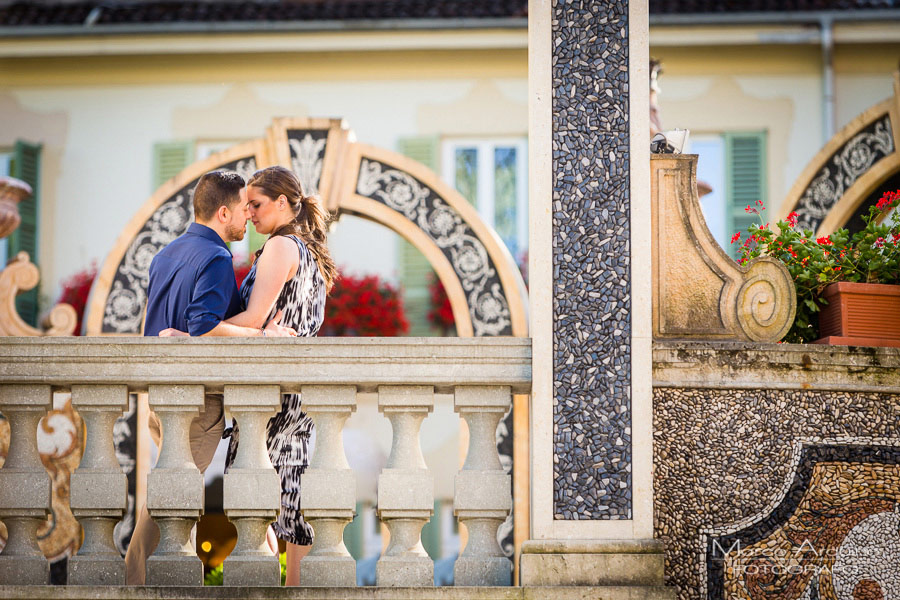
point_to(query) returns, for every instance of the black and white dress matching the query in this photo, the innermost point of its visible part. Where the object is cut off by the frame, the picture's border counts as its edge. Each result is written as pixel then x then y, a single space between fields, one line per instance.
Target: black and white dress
pixel 303 301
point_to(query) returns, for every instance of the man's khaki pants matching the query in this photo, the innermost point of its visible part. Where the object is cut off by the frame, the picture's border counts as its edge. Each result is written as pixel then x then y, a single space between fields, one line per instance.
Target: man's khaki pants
pixel 206 432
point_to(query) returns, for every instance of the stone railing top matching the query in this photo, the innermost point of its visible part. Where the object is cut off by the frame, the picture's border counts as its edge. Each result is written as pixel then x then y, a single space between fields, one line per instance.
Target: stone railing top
pixel 775 366
pixel 214 362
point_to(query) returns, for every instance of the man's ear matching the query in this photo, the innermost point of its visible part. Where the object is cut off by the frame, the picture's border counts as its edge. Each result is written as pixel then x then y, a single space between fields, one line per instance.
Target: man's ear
pixel 223 214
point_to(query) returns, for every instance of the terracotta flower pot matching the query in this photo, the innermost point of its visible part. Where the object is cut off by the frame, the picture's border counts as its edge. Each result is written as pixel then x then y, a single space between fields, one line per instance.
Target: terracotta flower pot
pixel 860 314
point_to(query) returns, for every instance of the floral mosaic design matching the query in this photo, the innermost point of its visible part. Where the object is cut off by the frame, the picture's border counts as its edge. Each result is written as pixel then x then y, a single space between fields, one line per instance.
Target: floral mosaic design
pixel 420 204
pixel 124 310
pixel 307 154
pixel 842 170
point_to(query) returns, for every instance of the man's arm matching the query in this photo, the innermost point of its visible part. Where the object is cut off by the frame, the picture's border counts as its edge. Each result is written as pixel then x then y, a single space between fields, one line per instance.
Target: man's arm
pixel 272 329
pixel 210 301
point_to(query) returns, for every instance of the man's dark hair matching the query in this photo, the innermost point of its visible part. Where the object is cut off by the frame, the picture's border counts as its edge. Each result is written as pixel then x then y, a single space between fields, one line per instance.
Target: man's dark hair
pixel 215 189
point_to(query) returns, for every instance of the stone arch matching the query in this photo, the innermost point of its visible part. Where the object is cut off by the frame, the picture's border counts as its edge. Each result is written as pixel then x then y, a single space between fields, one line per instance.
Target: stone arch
pixel 854 165
pixel 486 291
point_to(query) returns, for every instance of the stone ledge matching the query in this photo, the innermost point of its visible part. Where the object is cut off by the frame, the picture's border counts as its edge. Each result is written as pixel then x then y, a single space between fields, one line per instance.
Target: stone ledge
pixel 47 592
pixel 593 547
pixel 743 365
pixel 288 362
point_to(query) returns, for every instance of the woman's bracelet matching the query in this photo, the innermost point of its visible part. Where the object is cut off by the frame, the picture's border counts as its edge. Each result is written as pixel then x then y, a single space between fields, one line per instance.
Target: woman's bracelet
pixel 263 331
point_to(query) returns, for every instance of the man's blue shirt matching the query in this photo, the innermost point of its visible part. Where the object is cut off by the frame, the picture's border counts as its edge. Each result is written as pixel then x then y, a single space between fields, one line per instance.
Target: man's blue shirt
pixel 192 285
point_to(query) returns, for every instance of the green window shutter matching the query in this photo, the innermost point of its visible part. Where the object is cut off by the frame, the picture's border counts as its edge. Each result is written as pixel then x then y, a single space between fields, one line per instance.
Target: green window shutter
pixel 26 165
pixel 431 533
pixel 745 180
pixel 414 267
pixel 169 158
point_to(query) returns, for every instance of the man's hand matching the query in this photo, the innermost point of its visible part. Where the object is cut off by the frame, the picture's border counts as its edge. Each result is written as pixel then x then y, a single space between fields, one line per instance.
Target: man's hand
pixel 276 329
pixel 172 332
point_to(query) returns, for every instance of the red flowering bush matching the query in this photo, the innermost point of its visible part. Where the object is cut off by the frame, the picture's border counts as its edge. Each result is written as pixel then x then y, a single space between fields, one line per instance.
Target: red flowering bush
pixel 364 306
pixel 75 291
pixel 871 255
pixel 440 314
pixel 241 270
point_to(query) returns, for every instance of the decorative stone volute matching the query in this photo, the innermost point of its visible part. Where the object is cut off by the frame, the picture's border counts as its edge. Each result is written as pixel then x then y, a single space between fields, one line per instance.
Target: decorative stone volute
pixel 12 191
pixel 699 292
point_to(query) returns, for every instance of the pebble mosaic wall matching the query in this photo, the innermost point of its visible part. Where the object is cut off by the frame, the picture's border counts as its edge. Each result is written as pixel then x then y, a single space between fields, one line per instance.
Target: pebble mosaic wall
pixel 591 262
pixel 778 494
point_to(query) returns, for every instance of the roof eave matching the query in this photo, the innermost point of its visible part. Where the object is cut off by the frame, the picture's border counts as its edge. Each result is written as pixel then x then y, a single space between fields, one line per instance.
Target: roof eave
pixel 264 26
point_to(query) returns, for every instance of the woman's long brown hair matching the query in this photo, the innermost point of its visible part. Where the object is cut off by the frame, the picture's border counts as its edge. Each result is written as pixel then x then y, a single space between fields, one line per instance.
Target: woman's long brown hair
pixel 310 222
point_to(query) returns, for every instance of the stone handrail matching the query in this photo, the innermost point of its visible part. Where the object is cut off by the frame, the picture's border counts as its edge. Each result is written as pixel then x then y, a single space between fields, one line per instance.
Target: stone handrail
pixel 252 374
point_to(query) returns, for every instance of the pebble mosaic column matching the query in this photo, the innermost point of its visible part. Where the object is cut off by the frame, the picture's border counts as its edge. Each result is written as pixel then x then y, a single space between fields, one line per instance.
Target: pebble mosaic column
pixel 592 279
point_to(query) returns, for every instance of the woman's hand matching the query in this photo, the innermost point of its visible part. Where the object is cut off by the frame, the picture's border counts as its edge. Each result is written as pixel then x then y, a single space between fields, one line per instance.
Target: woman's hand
pixel 275 329
pixel 172 332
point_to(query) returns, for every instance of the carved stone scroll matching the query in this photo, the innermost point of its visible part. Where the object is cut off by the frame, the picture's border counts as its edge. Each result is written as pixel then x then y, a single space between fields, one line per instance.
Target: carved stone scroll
pixel 21 275
pixel 698 290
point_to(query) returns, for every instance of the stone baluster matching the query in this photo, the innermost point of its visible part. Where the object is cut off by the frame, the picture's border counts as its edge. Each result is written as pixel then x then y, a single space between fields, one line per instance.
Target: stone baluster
pixel 482 497
pixel 252 489
pixel 405 489
pixel 328 492
pixel 98 487
pixel 24 486
pixel 175 487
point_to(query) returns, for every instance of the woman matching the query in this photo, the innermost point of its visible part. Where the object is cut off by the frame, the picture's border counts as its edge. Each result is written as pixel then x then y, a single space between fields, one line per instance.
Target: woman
pixel 291 275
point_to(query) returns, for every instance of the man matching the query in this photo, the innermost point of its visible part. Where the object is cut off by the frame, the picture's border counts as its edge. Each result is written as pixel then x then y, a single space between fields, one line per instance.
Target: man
pixel 192 288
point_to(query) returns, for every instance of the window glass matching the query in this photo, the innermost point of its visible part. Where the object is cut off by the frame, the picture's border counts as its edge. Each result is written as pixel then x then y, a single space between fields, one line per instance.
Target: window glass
pixel 466 174
pixel 505 196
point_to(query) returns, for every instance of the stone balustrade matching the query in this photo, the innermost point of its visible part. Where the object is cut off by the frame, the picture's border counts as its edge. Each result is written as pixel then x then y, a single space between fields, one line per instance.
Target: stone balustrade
pixel 251 375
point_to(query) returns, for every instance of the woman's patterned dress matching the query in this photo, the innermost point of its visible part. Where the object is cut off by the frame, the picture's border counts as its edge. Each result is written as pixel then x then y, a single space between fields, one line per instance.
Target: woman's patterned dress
pixel 303 301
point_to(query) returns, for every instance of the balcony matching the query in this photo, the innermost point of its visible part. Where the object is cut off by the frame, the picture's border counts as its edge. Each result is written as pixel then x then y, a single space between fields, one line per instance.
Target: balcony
pixel 405 374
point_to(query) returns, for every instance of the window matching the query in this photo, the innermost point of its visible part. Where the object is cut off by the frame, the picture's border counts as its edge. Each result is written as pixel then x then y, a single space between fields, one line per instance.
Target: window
pixel 492 175
pixel 5 170
pixel 734 164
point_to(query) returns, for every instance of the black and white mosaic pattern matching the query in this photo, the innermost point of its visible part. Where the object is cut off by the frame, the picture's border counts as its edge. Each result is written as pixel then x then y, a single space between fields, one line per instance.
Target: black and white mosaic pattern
pixel 307 147
pixel 591 262
pixel 124 310
pixel 842 169
pixel 477 273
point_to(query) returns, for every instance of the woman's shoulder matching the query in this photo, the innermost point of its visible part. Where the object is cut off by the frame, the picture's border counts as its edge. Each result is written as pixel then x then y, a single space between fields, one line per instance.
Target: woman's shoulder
pixel 280 244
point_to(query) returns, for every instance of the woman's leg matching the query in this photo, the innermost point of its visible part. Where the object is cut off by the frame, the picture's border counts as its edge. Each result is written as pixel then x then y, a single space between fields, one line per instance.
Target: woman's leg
pixel 294 554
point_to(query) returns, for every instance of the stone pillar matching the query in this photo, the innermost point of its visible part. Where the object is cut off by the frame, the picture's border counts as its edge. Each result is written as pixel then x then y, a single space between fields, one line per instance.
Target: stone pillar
pixel 98 487
pixel 252 489
pixel 482 497
pixel 328 493
pixel 24 486
pixel 175 487
pixel 405 489
pixel 590 270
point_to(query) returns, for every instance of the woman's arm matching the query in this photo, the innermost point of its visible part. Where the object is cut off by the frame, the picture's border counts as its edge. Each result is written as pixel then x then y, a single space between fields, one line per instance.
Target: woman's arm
pixel 276 265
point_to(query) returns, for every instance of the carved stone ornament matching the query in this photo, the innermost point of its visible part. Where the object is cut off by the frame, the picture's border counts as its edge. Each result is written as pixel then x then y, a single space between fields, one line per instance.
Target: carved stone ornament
pixel 699 292
pixel 20 275
pixel 12 191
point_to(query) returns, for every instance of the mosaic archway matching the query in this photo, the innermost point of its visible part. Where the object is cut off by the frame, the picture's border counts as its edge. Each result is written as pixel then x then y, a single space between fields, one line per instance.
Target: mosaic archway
pixel 854 168
pixel 484 285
